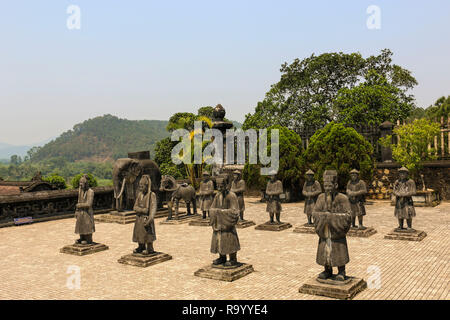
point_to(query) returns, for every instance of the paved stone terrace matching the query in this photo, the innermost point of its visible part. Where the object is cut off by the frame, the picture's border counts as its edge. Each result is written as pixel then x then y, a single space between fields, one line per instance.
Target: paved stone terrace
pixel 33 268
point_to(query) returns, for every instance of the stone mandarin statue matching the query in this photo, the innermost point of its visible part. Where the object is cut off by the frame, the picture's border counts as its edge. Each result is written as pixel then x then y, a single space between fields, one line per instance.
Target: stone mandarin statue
pixel 238 188
pixel 311 190
pixel 356 193
pixel 332 218
pixel 206 194
pixel 273 190
pixel 145 207
pixel 404 189
pixel 224 213
pixel 84 213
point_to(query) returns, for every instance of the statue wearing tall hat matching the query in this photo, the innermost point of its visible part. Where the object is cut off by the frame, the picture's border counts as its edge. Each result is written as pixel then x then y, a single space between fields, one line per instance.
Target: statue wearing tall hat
pixel 206 193
pixel 332 219
pixel 84 213
pixel 144 227
pixel 404 189
pixel 311 190
pixel 238 187
pixel 274 189
pixel 356 193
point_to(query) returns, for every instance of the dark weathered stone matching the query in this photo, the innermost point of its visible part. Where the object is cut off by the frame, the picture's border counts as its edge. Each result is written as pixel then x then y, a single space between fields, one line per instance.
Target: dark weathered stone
pixel 241 224
pixel 409 235
pixel 83 249
pixel 123 217
pixel 141 260
pixel 175 193
pixel 224 273
pixel 182 218
pixel 200 222
pixel 269 226
pixel 363 233
pixel 345 290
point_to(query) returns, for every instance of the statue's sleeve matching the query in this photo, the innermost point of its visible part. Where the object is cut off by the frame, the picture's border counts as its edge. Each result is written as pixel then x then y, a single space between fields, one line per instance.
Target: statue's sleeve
pixel 317 189
pixel 228 218
pixel 320 216
pixel 268 191
pixel 362 189
pixel 210 188
pixel 411 188
pixel 153 204
pixel 349 191
pixel 136 206
pixel 304 192
pixel 340 222
pixel 213 212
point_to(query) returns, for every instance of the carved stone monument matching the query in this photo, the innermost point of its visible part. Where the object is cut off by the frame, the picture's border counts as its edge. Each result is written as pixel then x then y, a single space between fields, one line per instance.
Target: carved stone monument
pixel 224 213
pixel 311 189
pixel 206 196
pixel 404 189
pixel 238 187
pixel 144 232
pixel 273 190
pixel 85 225
pixel 332 219
pixel 356 193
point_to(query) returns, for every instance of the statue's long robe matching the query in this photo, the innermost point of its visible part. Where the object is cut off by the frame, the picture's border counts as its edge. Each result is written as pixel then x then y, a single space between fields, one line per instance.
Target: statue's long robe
pixel 206 200
pixel 404 205
pixel 274 189
pixel 85 214
pixel 332 229
pixel 145 211
pixel 311 191
pixel 356 193
pixel 238 189
pixel 224 238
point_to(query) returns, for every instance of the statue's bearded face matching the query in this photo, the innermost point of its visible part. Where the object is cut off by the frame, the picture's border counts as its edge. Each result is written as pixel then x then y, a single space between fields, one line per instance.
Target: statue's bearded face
pixel 354 176
pixel 309 177
pixel 83 184
pixel 236 177
pixel 143 187
pixel 221 186
pixel 403 175
pixel 329 185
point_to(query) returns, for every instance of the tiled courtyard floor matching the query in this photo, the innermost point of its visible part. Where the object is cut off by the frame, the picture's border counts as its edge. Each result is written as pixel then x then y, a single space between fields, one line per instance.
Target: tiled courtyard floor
pixel 31 266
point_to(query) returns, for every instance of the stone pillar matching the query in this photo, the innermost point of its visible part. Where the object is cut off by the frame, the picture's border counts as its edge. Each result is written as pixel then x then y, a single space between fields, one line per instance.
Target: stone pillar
pixel 385 130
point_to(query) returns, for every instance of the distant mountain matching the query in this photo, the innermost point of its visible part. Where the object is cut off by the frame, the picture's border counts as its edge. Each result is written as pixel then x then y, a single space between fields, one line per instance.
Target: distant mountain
pixel 104 138
pixel 7 150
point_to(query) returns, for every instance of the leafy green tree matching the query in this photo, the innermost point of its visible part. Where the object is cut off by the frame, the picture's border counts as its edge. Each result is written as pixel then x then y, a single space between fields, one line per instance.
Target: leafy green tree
pixel 92 182
pixel 207 111
pixel 181 120
pixel 441 108
pixel 340 148
pixel 372 102
pixel 412 148
pixel 163 158
pixel 56 180
pixel 307 88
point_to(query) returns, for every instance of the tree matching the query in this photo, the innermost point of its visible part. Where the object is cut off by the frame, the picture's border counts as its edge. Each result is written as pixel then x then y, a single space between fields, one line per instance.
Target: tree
pixel 92 182
pixel 411 148
pixel 441 108
pixel 340 148
pixel 372 102
pixel 307 88
pixel 56 180
pixel 181 120
pixel 163 158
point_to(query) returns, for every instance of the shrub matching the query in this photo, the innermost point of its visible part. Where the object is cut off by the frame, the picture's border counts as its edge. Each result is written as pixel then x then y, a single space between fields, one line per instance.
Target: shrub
pixel 56 180
pixel 92 182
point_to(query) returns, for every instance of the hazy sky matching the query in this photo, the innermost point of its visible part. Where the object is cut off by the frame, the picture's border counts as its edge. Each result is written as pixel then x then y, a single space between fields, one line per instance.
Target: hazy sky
pixel 150 59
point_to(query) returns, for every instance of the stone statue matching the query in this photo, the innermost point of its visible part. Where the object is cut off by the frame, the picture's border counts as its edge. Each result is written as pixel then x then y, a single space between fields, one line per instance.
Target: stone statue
pixel 224 217
pixel 84 212
pixel 311 189
pixel 238 188
pixel 403 191
pixel 356 193
pixel 145 207
pixel 206 193
pixel 177 192
pixel 332 218
pixel 273 190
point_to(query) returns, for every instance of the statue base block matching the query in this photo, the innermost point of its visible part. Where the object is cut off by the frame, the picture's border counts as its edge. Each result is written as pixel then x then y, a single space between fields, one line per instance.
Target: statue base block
pixel 345 290
pixel 364 233
pixel 224 273
pixel 305 228
pixel 141 260
pixel 200 222
pixel 405 234
pixel 244 224
pixel 273 226
pixel 181 219
pixel 122 217
pixel 83 249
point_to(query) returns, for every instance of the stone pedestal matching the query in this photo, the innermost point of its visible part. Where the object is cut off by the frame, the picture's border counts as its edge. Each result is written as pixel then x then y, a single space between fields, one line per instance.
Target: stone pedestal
pixel 223 273
pixel 182 218
pixel 244 224
pixel 405 234
pixel 268 226
pixel 83 249
pixel 305 228
pixel 141 260
pixel 122 217
pixel 363 233
pixel 345 290
pixel 200 222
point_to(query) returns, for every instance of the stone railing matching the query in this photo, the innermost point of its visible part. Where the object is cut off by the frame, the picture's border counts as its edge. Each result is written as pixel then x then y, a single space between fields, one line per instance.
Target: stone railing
pixel 49 205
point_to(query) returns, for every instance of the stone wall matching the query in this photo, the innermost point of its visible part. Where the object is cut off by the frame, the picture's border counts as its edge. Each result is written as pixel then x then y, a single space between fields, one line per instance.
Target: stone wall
pixel 49 205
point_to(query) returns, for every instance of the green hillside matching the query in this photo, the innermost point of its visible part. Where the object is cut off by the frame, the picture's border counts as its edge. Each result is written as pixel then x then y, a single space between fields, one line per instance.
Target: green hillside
pixel 104 138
